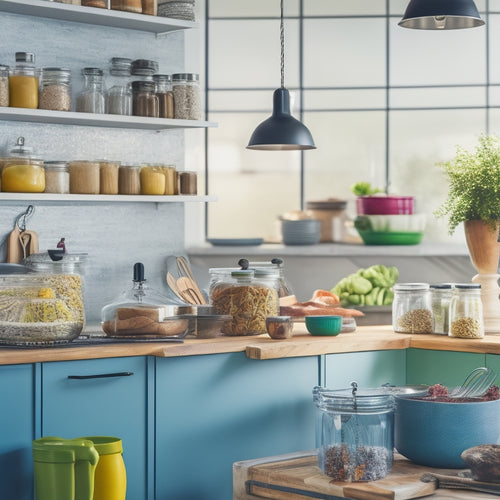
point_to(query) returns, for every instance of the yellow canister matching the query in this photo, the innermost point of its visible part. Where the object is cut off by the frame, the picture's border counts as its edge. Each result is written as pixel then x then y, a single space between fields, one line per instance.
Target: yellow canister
pixel 22 175
pixel 152 180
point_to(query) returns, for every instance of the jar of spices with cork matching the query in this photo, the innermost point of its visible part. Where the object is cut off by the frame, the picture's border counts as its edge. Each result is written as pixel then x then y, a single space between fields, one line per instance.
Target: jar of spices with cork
pixel 55 91
pixel 23 82
pixel 165 95
pixel 187 99
pixel 4 85
pixel 466 311
pixel 91 98
pixel 412 309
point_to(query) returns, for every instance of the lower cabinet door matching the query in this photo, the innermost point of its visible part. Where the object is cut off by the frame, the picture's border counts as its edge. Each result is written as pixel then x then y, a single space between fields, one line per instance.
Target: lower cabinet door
pixel 17 430
pixel 101 397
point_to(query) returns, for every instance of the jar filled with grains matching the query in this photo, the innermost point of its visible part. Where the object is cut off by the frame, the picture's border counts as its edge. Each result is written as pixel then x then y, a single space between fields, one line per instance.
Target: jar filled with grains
pixel 23 82
pixel 187 99
pixel 84 177
pixel 152 180
pixel 119 96
pixel 56 177
pixel 165 95
pixel 187 183
pixel 411 308
pixel 55 91
pixel 144 99
pixel 466 312
pixel 91 98
pixel 129 179
pixel 170 180
pixel 108 177
pixel 440 300
pixel 4 85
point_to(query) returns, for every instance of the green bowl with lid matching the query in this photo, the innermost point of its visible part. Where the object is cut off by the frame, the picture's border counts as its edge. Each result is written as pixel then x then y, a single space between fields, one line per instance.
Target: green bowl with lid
pixel 323 325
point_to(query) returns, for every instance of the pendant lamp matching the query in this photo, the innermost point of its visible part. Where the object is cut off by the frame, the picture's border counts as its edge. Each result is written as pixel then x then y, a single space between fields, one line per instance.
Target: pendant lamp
pixel 441 15
pixel 281 132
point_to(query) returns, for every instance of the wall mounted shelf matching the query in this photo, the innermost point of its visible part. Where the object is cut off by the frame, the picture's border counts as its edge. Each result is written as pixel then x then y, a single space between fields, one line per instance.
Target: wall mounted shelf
pixel 92 15
pixel 93 198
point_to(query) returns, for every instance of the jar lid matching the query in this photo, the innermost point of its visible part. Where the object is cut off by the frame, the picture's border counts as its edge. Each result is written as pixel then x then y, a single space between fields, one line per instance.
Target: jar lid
pixel 243 273
pixel 56 165
pixel 120 66
pixel 146 86
pixel 441 286
pixel 20 149
pixel 27 57
pixel 190 77
pixel 411 287
pixel 92 71
pixel 328 204
pixel 57 70
pixel 467 286
pixel 162 78
pixel 359 401
pixel 144 67
pixel 4 67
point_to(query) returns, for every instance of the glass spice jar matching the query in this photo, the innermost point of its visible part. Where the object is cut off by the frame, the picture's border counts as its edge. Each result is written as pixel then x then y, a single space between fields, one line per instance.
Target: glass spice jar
pixel 55 90
pixel 144 99
pixel 187 183
pixel 119 95
pixel 187 99
pixel 440 302
pixel 129 179
pixel 466 312
pixel 4 85
pixel 411 308
pixel 23 82
pixel 56 177
pixel 152 180
pixel 165 95
pixel 84 177
pixel 108 177
pixel 91 98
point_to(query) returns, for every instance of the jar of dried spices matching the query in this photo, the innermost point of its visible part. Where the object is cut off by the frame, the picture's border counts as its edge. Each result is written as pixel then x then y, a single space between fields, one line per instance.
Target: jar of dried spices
pixel 411 308
pixel 108 177
pixel 165 95
pixel 84 177
pixel 4 85
pixel 440 300
pixel 55 92
pixel 466 312
pixel 23 82
pixel 127 5
pixel 129 179
pixel 119 95
pixel 144 99
pixel 91 98
pixel 56 177
pixel 187 99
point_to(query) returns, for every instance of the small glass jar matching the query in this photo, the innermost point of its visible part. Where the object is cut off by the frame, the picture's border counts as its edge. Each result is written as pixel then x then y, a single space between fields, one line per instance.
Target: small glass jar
pixel 84 177
pixel 411 308
pixel 165 95
pixel 152 180
pixel 108 177
pixel 188 183
pixel 127 5
pixel 248 299
pixel 171 187
pixel 440 301
pixel 55 91
pixel 144 99
pixel 144 67
pixel 4 85
pixel 23 82
pixel 119 96
pixel 129 179
pixel 187 99
pixel 354 433
pixel 466 312
pixel 91 98
pixel 56 177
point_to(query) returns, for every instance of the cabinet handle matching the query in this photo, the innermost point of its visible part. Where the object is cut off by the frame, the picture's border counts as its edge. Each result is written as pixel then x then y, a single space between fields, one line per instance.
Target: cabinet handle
pixel 102 375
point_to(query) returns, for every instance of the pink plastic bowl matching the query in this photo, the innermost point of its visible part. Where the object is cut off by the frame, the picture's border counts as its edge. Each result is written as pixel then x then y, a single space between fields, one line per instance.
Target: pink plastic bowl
pixel 384 205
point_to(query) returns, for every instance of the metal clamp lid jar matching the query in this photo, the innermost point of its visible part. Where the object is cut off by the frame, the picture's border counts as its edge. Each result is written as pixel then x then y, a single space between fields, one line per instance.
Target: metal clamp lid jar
pixel 187 99
pixel 144 67
pixel 354 432
pixel 411 308
pixel 466 311
pixel 55 91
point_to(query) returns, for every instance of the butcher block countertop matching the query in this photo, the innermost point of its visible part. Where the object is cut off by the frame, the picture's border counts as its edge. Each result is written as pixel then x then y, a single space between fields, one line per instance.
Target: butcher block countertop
pixel 365 338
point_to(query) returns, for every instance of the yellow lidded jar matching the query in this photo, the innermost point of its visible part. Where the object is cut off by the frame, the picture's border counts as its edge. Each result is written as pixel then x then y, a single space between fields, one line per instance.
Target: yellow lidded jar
pixel 152 180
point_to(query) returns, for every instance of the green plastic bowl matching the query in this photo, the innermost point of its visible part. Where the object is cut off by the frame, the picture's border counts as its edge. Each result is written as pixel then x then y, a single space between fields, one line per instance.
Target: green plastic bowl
pixel 324 325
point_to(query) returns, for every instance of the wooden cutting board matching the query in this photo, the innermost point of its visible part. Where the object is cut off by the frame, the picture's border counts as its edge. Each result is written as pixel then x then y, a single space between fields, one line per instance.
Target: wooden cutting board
pixel 298 477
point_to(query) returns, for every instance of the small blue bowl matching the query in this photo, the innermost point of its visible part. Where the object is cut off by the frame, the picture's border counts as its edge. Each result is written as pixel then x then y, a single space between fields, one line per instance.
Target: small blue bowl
pixel 324 325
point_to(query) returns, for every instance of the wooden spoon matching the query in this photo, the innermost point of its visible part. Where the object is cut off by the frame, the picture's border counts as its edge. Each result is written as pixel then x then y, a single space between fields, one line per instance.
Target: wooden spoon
pixel 185 286
pixel 173 286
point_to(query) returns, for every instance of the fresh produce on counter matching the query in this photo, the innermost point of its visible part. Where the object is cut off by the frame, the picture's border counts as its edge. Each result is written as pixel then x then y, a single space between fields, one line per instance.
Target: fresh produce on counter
pixel 322 303
pixel 368 287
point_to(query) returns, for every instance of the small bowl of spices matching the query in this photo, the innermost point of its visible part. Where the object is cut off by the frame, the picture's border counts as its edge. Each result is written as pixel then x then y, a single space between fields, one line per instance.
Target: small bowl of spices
pixel 279 327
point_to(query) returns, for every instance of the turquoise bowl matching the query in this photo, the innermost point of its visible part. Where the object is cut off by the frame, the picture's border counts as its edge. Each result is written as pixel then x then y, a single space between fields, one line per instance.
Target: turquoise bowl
pixel 324 325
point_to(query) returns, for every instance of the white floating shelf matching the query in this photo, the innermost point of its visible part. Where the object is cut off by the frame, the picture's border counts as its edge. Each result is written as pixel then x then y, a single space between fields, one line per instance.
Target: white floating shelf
pixel 92 15
pixel 93 198
pixel 98 120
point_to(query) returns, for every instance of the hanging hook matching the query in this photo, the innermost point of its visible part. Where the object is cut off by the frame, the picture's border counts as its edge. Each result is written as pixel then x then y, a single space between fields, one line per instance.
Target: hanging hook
pixel 22 218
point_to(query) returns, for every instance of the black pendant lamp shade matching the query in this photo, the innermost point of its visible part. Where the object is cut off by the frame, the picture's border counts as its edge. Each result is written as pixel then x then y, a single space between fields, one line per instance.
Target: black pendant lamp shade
pixel 441 15
pixel 281 132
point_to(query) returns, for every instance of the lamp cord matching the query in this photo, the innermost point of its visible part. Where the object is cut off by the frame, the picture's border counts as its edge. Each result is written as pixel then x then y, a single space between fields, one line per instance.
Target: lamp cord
pixel 282 40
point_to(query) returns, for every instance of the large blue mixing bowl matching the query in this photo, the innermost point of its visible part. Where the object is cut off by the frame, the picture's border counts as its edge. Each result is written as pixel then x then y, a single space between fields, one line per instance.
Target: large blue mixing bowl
pixel 435 434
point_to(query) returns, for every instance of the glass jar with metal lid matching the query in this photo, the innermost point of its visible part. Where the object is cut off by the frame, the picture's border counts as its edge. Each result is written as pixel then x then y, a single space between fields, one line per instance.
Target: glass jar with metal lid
pixel 55 90
pixel 277 265
pixel 4 85
pixel 247 298
pixel 144 99
pixel 440 301
pixel 411 308
pixel 466 311
pixel 23 82
pixel 165 95
pixel 144 67
pixel 91 98
pixel 354 432
pixel 56 177
pixel 119 95
pixel 187 99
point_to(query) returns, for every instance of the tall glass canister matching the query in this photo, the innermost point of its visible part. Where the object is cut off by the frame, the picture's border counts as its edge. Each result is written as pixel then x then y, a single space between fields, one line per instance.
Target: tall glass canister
pixel 411 308
pixel 23 82
pixel 91 98
pixel 187 99
pixel 119 95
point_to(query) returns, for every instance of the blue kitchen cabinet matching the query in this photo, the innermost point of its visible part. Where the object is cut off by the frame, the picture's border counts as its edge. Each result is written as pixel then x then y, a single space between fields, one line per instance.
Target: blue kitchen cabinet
pixel 17 430
pixel 214 410
pixel 105 397
pixel 493 361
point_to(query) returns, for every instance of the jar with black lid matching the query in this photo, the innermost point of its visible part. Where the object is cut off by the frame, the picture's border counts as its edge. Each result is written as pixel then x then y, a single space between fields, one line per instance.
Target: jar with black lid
pixel 187 99
pixel 119 95
pixel 55 91
pixel 466 311
pixel 144 99
pixel 144 67
pixel 411 308
pixel 165 95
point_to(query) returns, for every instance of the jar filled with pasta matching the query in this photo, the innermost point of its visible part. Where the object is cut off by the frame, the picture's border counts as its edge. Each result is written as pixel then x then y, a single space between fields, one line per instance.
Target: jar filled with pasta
pixel 248 299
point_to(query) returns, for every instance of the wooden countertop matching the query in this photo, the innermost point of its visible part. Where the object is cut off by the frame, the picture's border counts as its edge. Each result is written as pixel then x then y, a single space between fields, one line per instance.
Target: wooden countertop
pixel 365 338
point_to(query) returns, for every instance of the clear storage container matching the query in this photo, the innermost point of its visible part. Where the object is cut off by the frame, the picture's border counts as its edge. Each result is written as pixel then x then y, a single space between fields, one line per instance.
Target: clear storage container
pixel 84 177
pixel 23 82
pixel 440 301
pixel 247 298
pixel 144 99
pixel 354 433
pixel 466 312
pixel 56 177
pixel 165 95
pixel 129 179
pixel 119 95
pixel 100 4
pixel 91 98
pixel 187 99
pixel 4 85
pixel 171 180
pixel 55 90
pixel 188 183
pixel 127 5
pixel 152 180
pixel 411 308
pixel 275 264
pixel 331 214
pixel 108 177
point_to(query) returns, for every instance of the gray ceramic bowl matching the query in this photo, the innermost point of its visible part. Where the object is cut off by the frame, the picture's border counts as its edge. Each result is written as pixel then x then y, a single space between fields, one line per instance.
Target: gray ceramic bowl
pixel 301 232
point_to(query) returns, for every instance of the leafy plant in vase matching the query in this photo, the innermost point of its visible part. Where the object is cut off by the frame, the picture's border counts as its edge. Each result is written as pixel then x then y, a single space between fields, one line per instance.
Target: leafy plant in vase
pixel 474 199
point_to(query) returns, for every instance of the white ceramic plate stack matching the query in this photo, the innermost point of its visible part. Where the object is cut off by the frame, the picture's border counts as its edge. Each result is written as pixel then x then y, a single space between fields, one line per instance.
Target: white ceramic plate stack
pixel 300 232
